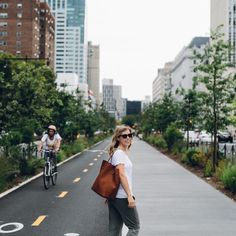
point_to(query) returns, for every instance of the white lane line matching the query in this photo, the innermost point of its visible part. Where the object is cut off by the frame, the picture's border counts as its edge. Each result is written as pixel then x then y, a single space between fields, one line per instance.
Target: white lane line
pixel 91 164
pixel 85 170
pixel 95 159
pixel 98 155
pixel 71 234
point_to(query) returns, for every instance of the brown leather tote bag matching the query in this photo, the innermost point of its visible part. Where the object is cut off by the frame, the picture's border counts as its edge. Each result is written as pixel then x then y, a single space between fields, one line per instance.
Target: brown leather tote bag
pixel 108 181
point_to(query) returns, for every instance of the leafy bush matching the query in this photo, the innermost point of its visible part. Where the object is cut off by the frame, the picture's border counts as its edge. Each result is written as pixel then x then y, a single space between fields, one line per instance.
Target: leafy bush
pixel 172 136
pixel 61 156
pixel 208 170
pixel 200 158
pixel 160 142
pixel 222 164
pixel 189 157
pixel 150 139
pixel 178 147
pixel 3 173
pixel 229 177
pixel 30 166
pixel 194 157
pixel 77 147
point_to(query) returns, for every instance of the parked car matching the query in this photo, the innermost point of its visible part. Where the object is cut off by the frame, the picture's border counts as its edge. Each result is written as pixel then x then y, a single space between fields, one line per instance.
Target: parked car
pixel 205 137
pixel 224 137
pixel 193 136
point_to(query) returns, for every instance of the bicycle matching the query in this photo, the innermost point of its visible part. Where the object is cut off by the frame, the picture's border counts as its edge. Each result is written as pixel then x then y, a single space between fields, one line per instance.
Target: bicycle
pixel 49 172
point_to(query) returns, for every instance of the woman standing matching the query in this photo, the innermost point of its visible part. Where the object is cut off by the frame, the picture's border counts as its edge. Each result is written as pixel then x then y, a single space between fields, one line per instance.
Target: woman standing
pixel 122 209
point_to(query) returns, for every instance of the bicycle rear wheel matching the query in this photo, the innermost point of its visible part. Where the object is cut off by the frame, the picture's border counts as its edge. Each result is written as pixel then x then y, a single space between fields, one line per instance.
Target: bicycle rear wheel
pixel 46 177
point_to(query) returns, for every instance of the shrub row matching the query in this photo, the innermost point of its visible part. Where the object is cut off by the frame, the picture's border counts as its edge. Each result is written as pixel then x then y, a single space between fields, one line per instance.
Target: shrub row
pixel 28 167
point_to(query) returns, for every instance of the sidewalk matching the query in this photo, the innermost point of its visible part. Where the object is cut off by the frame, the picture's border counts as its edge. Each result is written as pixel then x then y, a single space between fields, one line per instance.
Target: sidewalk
pixel 173 201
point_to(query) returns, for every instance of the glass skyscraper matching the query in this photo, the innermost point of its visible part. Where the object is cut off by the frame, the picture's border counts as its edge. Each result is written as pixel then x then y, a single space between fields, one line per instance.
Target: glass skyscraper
pixel 70 37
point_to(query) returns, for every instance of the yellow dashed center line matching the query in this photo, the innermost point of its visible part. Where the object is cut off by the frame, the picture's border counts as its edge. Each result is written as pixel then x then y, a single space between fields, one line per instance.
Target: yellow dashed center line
pixel 85 170
pixel 39 221
pixel 91 164
pixel 76 180
pixel 63 194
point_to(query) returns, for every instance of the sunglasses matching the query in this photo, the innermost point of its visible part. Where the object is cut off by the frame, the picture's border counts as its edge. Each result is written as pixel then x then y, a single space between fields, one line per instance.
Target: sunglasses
pixel 126 135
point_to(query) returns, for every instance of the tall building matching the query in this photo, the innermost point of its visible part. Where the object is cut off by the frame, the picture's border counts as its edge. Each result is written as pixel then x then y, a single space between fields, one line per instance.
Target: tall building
pixel 162 83
pixel 94 70
pixel 70 39
pixel 146 102
pixel 223 12
pixel 26 29
pixel 182 69
pixel 117 95
pixel 112 99
pixel 108 100
pixel 47 33
pixel 133 107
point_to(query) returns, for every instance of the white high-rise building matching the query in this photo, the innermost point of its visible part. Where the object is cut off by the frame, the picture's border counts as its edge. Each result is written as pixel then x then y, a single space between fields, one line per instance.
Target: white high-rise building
pixel 223 12
pixel 161 85
pixel 70 37
pixel 112 98
pixel 94 70
pixel 117 94
pixel 182 69
pixel 108 100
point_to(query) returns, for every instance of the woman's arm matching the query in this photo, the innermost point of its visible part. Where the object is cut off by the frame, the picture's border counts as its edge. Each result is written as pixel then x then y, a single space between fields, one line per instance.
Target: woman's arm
pixel 125 185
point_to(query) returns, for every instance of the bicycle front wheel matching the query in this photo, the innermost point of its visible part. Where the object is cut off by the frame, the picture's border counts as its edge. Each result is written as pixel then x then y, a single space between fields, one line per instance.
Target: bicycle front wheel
pixel 46 177
pixel 54 177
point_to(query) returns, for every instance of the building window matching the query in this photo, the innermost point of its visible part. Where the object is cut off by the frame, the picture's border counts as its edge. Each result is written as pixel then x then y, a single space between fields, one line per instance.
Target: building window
pixel 18 52
pixel 19 15
pixel 19 24
pixel 18 43
pixel 18 34
pixel 19 5
pixel 3 24
pixel 3 43
pixel 3 33
pixel 3 15
pixel 3 5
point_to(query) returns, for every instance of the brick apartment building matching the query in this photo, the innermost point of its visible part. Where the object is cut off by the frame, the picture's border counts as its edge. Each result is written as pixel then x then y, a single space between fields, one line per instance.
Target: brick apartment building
pixel 47 33
pixel 27 29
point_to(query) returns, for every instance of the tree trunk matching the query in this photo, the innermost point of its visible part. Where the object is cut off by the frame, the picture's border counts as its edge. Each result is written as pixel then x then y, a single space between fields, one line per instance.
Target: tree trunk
pixel 215 121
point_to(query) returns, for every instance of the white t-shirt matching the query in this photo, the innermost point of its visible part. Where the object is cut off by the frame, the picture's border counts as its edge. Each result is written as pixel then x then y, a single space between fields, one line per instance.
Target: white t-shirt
pixel 120 157
pixel 50 143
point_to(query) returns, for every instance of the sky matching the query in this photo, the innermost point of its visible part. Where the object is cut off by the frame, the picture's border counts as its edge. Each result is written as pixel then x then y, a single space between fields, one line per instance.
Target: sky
pixel 137 37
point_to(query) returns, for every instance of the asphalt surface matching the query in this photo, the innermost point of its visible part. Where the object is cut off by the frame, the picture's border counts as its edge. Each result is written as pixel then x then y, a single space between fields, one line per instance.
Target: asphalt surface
pixel 171 201
pixel 80 211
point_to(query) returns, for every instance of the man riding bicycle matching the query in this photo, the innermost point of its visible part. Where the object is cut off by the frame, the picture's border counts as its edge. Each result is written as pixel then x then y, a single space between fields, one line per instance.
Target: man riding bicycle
pixel 51 141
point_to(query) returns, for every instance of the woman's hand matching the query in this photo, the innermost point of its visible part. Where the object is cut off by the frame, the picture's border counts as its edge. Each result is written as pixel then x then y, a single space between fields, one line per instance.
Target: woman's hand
pixel 131 202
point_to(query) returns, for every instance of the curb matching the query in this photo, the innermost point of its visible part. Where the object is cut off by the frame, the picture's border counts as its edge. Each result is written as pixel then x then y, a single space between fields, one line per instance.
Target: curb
pixel 3 194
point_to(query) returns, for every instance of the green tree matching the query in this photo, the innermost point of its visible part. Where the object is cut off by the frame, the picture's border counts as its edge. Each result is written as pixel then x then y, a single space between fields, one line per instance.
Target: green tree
pixel 213 70
pixel 160 115
pixel 189 110
pixel 25 89
pixel 130 120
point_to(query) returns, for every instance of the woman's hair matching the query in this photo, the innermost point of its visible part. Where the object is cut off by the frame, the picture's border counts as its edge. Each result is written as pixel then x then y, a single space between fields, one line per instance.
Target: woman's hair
pixel 115 142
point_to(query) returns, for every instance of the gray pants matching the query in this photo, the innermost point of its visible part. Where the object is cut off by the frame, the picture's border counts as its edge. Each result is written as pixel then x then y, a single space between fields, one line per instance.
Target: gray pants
pixel 120 213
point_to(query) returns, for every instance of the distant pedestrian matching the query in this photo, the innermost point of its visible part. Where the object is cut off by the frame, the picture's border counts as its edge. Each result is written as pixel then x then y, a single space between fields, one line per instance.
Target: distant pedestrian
pixel 122 209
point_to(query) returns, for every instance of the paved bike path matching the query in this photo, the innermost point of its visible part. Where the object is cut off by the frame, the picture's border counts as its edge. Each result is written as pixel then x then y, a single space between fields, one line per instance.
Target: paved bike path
pixel 173 201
